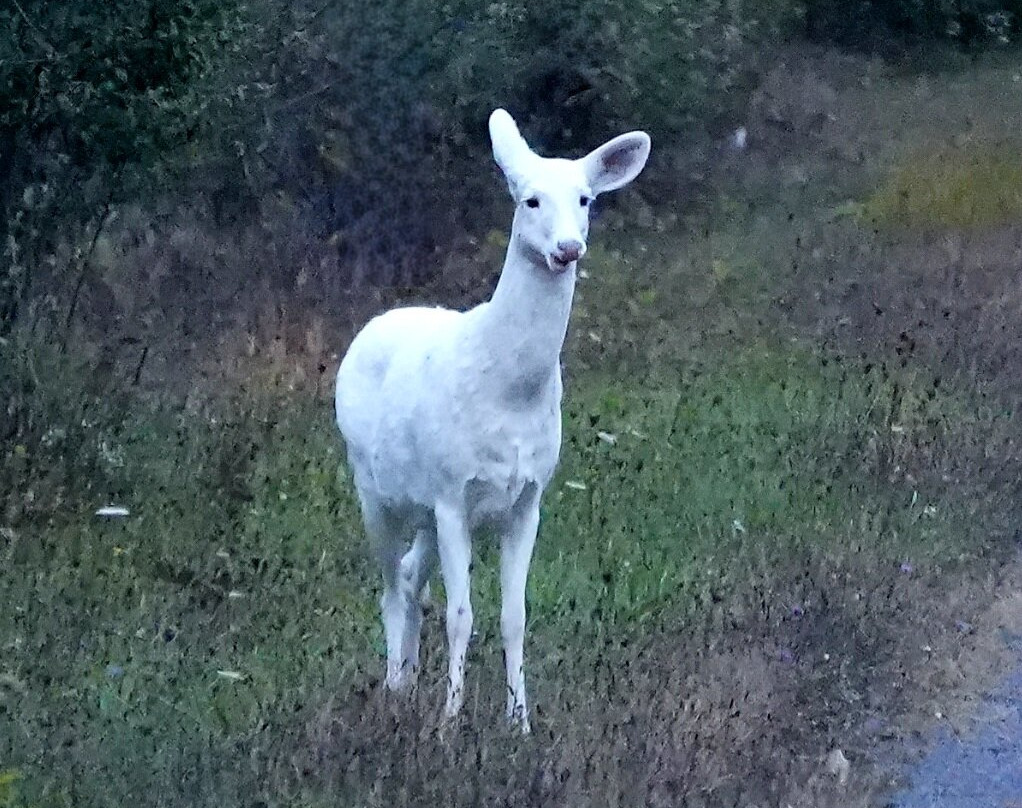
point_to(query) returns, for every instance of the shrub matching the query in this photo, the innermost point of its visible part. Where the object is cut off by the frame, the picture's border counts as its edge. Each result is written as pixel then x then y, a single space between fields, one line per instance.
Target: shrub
pixel 868 22
pixel 375 113
pixel 95 99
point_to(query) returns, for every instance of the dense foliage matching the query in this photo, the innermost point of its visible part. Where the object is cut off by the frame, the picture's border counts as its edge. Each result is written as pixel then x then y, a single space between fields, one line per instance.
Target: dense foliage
pixel 355 119
pixel 969 23
pixel 90 94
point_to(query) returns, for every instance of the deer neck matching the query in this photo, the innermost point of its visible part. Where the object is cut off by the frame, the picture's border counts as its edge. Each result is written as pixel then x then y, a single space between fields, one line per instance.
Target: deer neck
pixel 525 322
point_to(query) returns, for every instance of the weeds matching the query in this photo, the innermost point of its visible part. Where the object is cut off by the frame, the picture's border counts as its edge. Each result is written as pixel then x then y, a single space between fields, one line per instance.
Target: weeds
pixel 193 650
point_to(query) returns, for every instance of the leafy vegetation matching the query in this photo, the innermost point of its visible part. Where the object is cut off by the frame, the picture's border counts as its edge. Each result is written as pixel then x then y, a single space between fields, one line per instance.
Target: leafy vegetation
pixel 339 120
pixel 95 103
pixel 972 23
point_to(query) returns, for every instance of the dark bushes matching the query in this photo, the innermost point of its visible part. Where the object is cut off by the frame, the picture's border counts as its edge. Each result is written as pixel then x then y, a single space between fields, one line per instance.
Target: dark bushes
pixel 366 122
pixel 869 23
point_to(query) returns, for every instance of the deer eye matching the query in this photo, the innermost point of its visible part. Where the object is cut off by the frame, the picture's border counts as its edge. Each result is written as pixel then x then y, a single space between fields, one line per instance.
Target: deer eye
pixel 584 200
pixel 532 202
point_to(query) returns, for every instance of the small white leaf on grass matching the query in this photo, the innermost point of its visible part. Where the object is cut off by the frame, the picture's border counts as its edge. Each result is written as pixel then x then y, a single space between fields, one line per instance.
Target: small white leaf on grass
pixel 607 437
pixel 897 429
pixel 851 208
pixel 740 138
pixel 112 510
pixel 575 485
pixel 234 594
pixel 233 676
pixel 737 526
pixel 838 765
pixel 595 337
pixel 13 682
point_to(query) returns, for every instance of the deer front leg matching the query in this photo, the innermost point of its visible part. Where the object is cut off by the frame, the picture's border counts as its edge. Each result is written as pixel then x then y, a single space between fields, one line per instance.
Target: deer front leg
pixel 454 546
pixel 515 555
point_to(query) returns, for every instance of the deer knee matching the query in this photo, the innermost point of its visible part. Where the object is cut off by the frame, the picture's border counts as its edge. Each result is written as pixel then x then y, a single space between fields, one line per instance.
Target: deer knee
pixel 512 626
pixel 459 623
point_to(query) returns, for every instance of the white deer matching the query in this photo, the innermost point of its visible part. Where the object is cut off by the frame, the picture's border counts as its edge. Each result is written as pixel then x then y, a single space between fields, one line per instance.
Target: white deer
pixel 452 419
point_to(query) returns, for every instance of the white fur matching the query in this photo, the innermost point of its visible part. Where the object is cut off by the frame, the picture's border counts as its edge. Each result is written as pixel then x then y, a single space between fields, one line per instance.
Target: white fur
pixel 452 419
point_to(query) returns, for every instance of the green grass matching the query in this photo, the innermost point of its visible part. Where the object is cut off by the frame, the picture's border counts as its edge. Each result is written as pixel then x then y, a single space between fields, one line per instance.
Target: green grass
pixel 773 455
pixel 167 657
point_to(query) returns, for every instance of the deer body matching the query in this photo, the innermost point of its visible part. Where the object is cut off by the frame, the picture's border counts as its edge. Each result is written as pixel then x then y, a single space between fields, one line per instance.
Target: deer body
pixel 452 419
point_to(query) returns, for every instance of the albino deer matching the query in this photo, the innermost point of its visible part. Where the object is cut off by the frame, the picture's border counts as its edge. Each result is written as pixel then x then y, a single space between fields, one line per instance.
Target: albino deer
pixel 452 420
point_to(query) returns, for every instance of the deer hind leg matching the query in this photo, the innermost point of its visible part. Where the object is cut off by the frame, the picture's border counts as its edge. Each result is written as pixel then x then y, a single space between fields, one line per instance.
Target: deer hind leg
pixel 388 536
pixel 415 568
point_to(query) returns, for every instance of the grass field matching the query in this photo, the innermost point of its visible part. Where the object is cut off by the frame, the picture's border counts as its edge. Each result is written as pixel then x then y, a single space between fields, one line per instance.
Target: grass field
pixel 759 537
pixel 195 651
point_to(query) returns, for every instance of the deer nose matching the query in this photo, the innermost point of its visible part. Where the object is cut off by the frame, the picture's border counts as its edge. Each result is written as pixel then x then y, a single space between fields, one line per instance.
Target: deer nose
pixel 568 251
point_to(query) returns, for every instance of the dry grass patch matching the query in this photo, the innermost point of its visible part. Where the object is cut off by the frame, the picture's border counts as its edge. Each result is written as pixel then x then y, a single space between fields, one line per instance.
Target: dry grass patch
pixel 978 186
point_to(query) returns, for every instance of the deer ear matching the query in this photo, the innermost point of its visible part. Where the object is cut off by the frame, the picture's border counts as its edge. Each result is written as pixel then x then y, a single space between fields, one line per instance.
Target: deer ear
pixel 510 150
pixel 617 162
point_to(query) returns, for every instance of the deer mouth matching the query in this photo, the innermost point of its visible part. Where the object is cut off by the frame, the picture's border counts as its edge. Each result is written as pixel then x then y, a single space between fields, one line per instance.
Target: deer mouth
pixel 565 254
pixel 558 264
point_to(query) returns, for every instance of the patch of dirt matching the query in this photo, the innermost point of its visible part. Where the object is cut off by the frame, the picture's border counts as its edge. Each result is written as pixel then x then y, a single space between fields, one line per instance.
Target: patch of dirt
pixel 956 699
pixel 982 661
pixel 950 302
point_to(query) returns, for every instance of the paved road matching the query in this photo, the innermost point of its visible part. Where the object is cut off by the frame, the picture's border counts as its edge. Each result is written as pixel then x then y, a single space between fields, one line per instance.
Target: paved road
pixel 982 769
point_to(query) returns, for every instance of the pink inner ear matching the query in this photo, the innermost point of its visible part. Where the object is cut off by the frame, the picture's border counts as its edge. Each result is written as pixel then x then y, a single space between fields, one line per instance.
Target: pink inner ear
pixel 618 158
